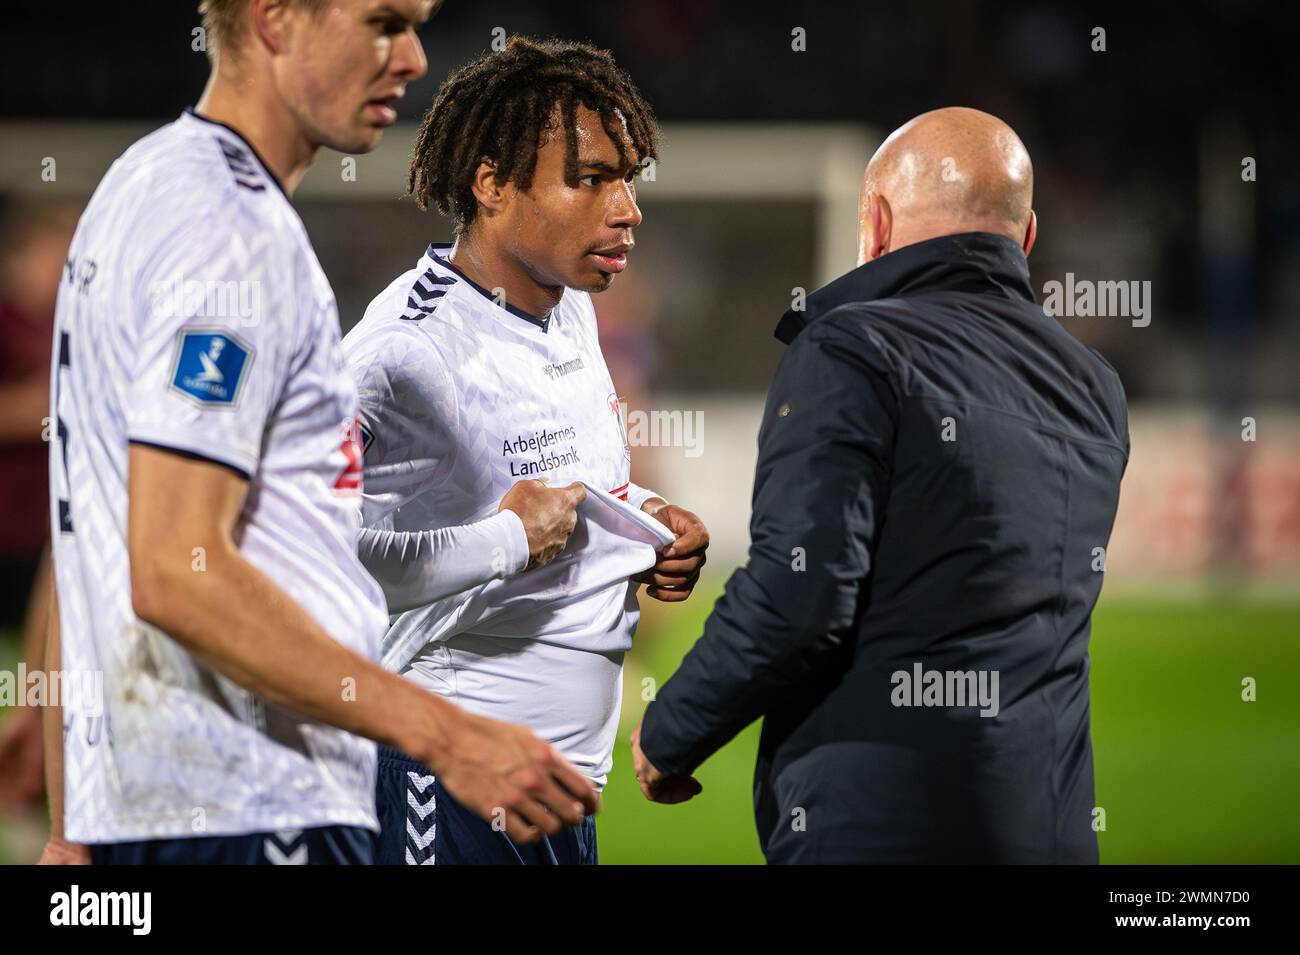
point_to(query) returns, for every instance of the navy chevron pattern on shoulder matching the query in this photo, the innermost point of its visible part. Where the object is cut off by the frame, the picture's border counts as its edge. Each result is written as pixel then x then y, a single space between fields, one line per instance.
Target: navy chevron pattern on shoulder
pixel 425 293
pixel 247 173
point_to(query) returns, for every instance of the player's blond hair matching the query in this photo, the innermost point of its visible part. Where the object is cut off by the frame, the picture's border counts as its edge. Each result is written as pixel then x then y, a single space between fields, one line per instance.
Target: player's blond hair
pixel 224 21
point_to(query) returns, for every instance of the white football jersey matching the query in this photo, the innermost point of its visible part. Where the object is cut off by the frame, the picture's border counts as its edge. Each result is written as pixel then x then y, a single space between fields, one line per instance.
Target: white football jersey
pixel 461 397
pixel 195 317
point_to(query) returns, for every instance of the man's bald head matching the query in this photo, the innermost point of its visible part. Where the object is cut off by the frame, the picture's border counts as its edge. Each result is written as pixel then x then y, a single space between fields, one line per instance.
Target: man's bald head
pixel 945 172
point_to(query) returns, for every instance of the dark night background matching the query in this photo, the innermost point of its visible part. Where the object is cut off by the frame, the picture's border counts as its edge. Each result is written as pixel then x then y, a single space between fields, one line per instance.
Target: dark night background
pixel 1116 137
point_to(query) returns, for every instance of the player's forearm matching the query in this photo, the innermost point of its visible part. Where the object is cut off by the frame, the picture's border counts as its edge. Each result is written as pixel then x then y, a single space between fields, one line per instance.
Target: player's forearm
pixel 417 568
pixel 239 621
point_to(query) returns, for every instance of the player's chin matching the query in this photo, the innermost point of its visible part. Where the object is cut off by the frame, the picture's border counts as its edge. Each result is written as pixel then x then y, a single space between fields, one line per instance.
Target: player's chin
pixel 369 140
pixel 361 138
pixel 595 280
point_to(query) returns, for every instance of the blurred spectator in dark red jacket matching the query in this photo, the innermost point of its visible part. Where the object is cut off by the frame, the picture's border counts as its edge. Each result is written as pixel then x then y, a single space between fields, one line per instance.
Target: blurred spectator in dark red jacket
pixel 34 239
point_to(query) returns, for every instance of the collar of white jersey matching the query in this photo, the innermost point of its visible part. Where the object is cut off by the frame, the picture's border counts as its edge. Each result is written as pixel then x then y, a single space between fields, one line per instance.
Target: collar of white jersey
pixel 437 254
pixel 228 134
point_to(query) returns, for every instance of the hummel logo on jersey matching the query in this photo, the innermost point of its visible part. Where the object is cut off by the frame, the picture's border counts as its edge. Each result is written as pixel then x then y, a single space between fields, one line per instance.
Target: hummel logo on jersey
pixel 563 368
pixel 210 366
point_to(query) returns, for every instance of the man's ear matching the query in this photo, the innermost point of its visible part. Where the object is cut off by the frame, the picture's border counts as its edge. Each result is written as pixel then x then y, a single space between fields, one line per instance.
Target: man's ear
pixel 880 225
pixel 269 22
pixel 1031 232
pixel 864 221
pixel 875 219
pixel 489 193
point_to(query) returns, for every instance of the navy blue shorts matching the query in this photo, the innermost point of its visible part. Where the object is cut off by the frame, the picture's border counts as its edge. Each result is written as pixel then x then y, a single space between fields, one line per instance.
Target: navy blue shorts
pixel 324 845
pixel 421 824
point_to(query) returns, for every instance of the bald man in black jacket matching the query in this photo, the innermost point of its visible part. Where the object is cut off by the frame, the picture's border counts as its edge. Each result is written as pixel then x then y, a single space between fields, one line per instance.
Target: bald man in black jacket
pixel 939 466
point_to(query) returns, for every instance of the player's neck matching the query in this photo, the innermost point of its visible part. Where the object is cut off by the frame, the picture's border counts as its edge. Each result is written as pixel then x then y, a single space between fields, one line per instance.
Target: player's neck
pixel 488 266
pixel 243 103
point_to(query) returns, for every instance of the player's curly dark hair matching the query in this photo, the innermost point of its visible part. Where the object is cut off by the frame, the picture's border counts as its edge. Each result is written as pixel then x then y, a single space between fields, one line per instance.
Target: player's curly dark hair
pixel 500 106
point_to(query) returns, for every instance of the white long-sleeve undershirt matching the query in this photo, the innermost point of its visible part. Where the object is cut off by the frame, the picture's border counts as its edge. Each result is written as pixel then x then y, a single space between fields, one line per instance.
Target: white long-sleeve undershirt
pixel 416 568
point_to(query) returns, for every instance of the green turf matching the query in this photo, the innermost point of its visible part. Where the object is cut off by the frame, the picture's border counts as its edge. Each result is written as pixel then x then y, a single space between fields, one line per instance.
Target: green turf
pixel 1186 771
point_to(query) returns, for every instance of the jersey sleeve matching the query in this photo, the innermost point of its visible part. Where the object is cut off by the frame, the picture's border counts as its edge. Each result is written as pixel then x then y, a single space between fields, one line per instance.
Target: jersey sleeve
pixel 409 412
pixel 416 568
pixel 219 309
pixel 638 495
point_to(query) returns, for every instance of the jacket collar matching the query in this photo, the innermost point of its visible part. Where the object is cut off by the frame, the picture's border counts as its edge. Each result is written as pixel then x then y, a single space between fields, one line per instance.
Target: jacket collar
pixel 978 262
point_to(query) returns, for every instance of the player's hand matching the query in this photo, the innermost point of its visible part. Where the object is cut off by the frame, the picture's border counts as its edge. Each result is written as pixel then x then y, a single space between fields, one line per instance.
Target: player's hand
pixel 657 786
pixel 674 574
pixel 61 852
pixel 549 515
pixel 22 759
pixel 514 780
